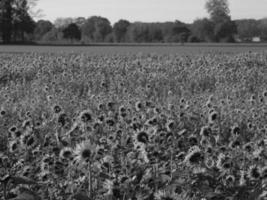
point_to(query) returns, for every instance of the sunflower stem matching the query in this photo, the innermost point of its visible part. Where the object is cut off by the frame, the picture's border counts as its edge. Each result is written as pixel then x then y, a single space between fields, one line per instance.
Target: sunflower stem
pixel 90 181
pixel 171 163
pixel 4 190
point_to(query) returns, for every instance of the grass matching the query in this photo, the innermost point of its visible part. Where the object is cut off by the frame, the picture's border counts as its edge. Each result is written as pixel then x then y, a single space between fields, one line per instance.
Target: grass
pixel 133 126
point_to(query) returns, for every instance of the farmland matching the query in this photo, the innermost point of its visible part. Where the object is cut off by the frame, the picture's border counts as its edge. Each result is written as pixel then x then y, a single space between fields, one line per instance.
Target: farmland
pixel 181 123
pixel 109 49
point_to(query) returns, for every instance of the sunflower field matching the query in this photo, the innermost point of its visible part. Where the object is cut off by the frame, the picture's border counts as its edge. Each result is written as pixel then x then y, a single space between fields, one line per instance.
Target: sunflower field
pixel 75 126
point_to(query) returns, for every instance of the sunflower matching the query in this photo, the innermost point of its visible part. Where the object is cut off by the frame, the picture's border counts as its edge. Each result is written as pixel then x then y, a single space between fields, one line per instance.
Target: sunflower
pixel 213 117
pixel 66 153
pixel 44 176
pixel 223 162
pixel 12 129
pixel 165 195
pixel 29 141
pixel 86 116
pixel 24 138
pixel 108 186
pixel 229 180
pixel 235 130
pixel 209 162
pixel 57 109
pixel 254 172
pixel 195 156
pixel 235 144
pixel 192 140
pixel 13 146
pixel 84 152
pixel 180 157
pixel 138 106
pixel 170 125
pixel 205 131
pixel 248 147
pixel 142 137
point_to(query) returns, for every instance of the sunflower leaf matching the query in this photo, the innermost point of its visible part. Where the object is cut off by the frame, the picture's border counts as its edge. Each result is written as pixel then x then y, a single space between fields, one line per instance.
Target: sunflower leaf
pixel 80 196
pixel 22 180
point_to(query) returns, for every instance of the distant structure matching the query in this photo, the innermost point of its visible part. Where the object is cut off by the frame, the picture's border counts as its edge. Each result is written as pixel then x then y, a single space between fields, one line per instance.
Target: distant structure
pixel 256 39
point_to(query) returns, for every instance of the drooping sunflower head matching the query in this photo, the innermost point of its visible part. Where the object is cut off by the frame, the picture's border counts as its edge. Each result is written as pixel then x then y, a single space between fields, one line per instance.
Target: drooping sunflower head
pixel 213 117
pixel 13 146
pixel 194 156
pixel 66 153
pixel 205 131
pixel 142 137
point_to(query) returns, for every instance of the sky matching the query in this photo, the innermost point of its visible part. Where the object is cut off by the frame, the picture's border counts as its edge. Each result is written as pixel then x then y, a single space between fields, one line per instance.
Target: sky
pixel 146 10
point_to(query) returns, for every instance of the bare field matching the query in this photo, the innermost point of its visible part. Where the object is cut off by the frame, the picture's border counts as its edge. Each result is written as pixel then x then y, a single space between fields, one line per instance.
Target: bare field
pixel 104 49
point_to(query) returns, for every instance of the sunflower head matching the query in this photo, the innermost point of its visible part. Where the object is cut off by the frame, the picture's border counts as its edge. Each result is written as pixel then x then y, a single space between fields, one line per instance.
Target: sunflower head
pixel 209 162
pixel 86 116
pixel 142 137
pixel 229 180
pixel 195 156
pixel 248 147
pixel 213 117
pixel 57 109
pixel 205 131
pixel 84 152
pixel 235 130
pixel 13 146
pixel 254 172
pixel 138 106
pixel 66 153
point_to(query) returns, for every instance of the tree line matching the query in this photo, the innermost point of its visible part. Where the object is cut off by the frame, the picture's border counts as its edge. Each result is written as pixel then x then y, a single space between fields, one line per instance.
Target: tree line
pixel 17 25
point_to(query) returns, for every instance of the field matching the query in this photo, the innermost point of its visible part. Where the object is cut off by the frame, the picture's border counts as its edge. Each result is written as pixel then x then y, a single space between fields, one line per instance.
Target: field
pixel 108 49
pixel 112 123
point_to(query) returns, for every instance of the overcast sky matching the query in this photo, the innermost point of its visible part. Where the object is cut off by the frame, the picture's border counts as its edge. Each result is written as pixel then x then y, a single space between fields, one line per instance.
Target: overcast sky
pixel 147 10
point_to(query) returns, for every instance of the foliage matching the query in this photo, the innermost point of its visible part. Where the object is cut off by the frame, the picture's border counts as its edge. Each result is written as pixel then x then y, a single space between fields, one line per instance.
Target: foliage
pixel 42 27
pixel 72 32
pixel 120 29
pixel 15 20
pixel 203 29
pixel 96 29
pixel 218 10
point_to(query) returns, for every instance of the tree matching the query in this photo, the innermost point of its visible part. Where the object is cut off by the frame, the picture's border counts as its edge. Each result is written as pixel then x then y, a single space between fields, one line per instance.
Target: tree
pixel 263 29
pixel 54 35
pixel 247 29
pixel 203 30
pixel 63 22
pixel 22 21
pixel 96 29
pixel 15 20
pixel 180 32
pixel 102 29
pixel 120 29
pixel 42 27
pixel 219 10
pixel 138 32
pixel 80 21
pixel 224 31
pixel 6 11
pixel 72 32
